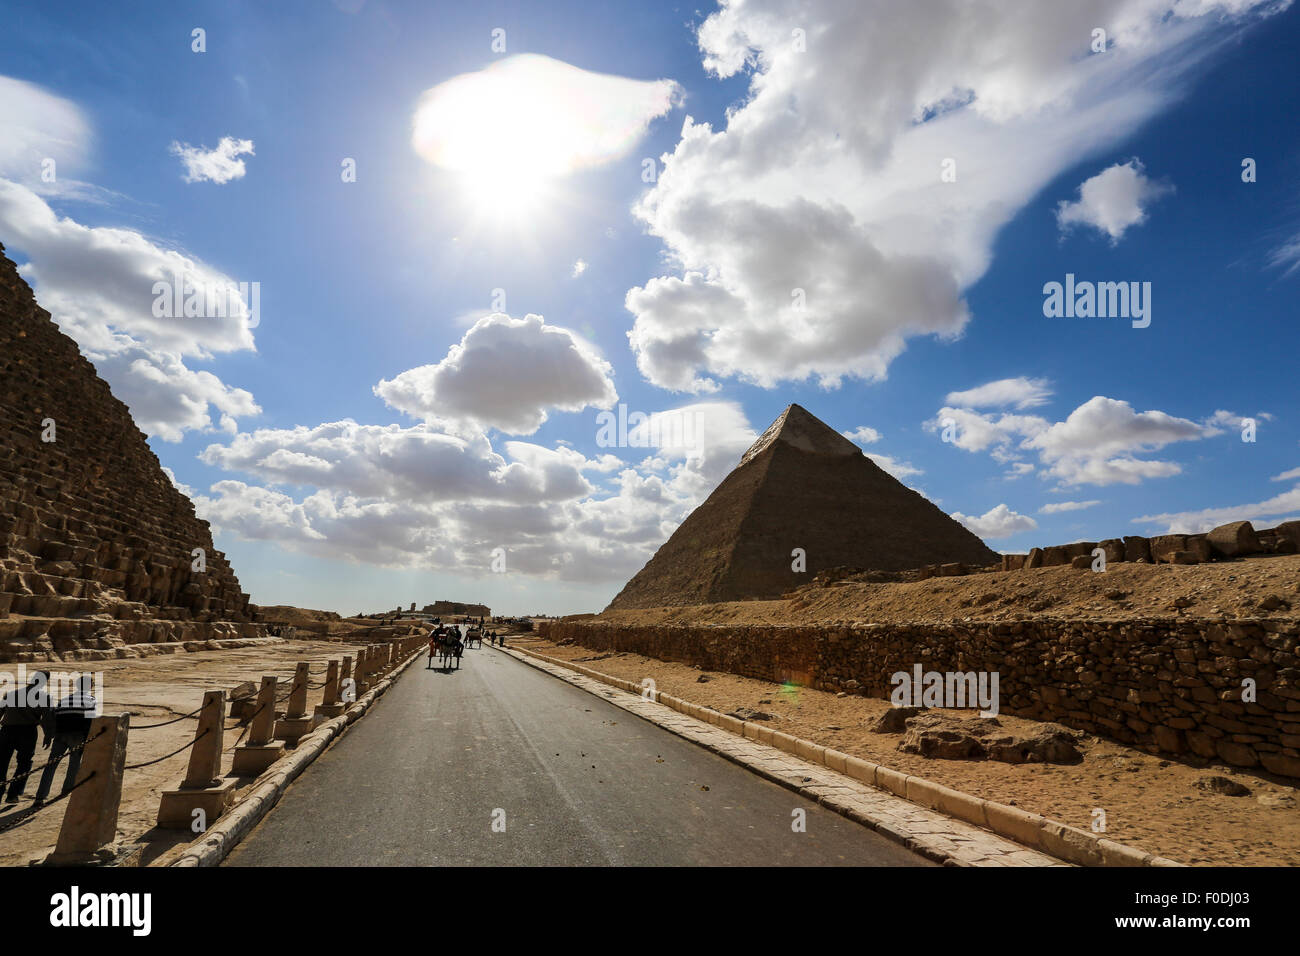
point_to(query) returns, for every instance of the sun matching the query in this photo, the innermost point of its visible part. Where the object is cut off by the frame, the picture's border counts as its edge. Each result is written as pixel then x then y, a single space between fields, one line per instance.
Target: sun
pixel 509 133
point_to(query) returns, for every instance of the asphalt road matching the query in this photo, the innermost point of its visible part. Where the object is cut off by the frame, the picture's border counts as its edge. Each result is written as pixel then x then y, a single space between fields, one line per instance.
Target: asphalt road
pixel 443 760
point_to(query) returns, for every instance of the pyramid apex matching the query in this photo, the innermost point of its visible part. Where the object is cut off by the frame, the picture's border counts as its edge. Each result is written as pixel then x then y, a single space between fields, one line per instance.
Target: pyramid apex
pixel 800 428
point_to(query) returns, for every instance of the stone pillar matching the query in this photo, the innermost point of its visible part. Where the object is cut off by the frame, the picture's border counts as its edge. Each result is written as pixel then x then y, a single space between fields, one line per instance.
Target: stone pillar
pixel 329 705
pixel 261 750
pixel 345 675
pixel 296 724
pixel 90 818
pixel 203 795
pixel 363 670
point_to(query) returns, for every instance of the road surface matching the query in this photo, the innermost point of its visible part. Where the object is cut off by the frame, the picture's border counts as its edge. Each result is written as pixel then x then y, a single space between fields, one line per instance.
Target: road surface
pixel 500 764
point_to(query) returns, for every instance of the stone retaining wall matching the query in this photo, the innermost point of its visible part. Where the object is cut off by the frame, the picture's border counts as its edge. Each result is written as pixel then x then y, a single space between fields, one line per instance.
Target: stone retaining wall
pixel 1164 685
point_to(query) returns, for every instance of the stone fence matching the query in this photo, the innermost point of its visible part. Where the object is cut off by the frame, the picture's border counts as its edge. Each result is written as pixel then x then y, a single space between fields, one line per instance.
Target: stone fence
pixel 1167 686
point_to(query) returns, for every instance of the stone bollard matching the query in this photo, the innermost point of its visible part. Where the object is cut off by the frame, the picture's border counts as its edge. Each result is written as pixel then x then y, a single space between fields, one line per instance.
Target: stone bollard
pixel 90 818
pixel 261 750
pixel 363 670
pixel 347 684
pixel 296 723
pixel 329 706
pixel 203 795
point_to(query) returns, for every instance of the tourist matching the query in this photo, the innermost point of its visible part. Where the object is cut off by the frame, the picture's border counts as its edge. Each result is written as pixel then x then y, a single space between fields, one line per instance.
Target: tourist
pixel 21 712
pixel 433 646
pixel 72 719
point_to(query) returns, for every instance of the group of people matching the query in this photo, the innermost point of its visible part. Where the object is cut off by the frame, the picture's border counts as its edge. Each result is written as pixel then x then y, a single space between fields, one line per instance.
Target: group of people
pixel 450 634
pixel 65 723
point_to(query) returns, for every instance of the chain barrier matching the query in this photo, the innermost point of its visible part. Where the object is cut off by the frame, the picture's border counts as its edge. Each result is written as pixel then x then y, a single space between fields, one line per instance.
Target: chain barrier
pixel 67 753
pixel 150 763
pixel 33 810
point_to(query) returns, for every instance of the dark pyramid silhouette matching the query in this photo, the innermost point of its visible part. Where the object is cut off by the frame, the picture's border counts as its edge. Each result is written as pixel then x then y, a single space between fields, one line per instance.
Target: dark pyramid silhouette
pixel 801 485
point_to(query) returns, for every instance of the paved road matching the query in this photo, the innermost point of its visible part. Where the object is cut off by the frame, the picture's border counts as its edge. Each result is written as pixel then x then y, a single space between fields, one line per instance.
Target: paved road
pixel 419 780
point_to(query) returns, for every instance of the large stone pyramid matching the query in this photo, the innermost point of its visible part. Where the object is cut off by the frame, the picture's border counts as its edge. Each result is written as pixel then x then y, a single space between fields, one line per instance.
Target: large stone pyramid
pixel 801 485
pixel 95 541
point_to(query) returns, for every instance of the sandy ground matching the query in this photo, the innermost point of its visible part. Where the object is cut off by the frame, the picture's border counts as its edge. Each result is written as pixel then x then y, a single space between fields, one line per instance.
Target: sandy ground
pixel 153 690
pixel 1149 802
pixel 1250 587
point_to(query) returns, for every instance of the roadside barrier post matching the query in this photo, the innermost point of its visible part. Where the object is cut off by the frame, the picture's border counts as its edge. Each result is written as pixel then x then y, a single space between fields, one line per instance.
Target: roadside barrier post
pixel 90 818
pixel 296 723
pixel 261 750
pixel 346 689
pixel 203 795
pixel 329 705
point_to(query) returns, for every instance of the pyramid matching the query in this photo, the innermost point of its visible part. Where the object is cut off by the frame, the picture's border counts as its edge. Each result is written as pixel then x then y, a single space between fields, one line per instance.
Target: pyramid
pixel 95 541
pixel 801 485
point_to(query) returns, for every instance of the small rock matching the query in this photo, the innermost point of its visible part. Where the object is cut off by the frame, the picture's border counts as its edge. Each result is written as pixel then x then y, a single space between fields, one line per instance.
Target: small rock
pixel 1221 785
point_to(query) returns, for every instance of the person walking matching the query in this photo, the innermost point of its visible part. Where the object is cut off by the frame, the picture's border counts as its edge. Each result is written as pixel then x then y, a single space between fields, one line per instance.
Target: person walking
pixel 72 717
pixel 22 711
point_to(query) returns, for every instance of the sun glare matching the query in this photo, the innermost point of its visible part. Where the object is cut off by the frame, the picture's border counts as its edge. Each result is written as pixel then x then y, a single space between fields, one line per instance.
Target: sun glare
pixel 511 131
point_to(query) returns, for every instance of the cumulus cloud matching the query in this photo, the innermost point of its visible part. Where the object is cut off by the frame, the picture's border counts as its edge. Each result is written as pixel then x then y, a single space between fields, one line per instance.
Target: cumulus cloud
pixel 998 522
pixel 901 470
pixel 1097 444
pixel 100 283
pixel 1291 475
pixel 863 435
pixel 505 374
pixel 1060 506
pixel 419 497
pixel 1021 392
pixel 812 236
pixel 1112 201
pixel 579 267
pixel 219 165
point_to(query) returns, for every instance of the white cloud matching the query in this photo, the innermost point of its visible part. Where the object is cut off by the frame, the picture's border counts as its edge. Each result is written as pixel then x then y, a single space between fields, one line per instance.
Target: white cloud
pixel 863 435
pixel 1271 511
pixel 899 469
pixel 1291 475
pixel 812 236
pixel 1018 470
pixel 1096 444
pixel 420 498
pixel 579 267
pixel 998 522
pixel 219 165
pixel 1113 200
pixel 98 282
pixel 1059 506
pixel 1021 392
pixel 1286 256
pixel 505 374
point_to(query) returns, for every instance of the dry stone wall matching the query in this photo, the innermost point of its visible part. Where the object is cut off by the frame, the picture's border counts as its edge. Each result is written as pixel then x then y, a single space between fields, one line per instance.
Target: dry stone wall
pixel 96 544
pixel 1167 686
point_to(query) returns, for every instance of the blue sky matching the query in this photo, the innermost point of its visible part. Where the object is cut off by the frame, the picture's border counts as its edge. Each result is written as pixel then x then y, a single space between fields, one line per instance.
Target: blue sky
pixel 469 431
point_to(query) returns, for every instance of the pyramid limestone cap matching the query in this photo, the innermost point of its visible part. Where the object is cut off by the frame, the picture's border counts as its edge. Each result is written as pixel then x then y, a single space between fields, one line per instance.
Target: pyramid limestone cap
pixel 797 427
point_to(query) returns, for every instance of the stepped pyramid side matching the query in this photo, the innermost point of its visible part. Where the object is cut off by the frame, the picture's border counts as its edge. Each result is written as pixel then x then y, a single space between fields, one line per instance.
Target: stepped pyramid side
pixel 801 485
pixel 95 541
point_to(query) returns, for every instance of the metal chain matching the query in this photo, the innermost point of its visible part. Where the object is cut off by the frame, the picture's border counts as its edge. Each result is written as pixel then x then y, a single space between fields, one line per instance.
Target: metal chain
pixel 71 750
pixel 32 811
pixel 150 763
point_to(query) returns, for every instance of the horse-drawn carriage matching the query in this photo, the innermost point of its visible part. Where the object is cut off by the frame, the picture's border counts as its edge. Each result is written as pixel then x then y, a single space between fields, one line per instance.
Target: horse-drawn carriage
pixel 446 643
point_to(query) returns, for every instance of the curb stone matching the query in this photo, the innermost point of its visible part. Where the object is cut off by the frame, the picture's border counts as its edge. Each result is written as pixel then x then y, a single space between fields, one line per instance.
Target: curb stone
pixel 224 835
pixel 1036 840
